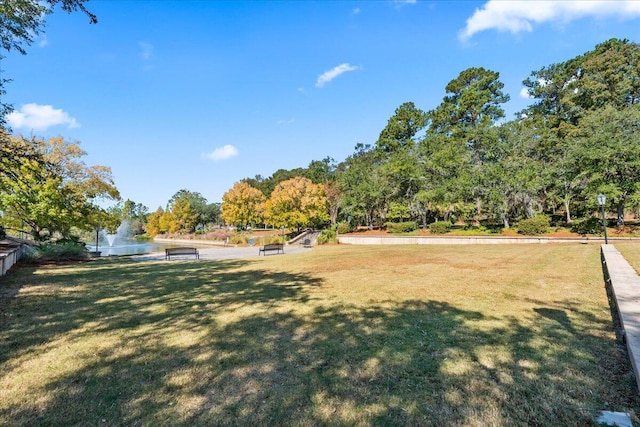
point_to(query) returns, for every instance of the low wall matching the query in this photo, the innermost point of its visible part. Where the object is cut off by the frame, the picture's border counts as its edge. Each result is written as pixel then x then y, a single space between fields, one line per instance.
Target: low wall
pixel 624 285
pixel 458 240
pixel 8 257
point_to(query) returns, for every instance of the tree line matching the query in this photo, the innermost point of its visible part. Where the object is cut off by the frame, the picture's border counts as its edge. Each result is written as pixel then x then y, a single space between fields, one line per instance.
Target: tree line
pixel 460 161
pixel 463 161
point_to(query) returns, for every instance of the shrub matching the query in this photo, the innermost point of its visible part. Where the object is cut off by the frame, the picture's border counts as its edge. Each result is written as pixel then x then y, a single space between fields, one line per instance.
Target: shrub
pixel 47 252
pixel 273 239
pixel 239 239
pixel 584 226
pixel 3 233
pixel 344 227
pixel 216 235
pixel 398 211
pixel 327 236
pixel 439 227
pixel 401 227
pixel 535 225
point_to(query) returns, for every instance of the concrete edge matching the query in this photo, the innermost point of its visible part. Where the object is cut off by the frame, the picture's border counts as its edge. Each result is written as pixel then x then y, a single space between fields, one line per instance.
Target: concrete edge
pixel 462 240
pixel 624 284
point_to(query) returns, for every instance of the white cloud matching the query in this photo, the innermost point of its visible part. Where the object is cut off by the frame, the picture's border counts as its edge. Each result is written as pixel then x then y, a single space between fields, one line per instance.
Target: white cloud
pixel 400 3
pixel 40 117
pixel 285 121
pixel 520 15
pixel 222 153
pixel 146 50
pixel 327 76
pixel 356 11
pixel 43 42
pixel 524 93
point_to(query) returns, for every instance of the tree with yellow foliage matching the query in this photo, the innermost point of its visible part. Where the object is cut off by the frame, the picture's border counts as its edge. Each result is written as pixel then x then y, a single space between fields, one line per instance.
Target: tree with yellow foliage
pixel 153 223
pixel 185 217
pixel 46 190
pixel 242 205
pixel 297 203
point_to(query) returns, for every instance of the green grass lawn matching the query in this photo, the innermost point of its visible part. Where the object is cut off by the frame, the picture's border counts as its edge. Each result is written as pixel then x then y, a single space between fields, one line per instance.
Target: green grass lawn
pixel 486 335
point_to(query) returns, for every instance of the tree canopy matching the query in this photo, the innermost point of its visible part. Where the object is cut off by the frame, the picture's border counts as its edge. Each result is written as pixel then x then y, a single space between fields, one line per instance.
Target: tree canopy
pixel 463 160
pixel 46 189
pixel 296 203
pixel 242 205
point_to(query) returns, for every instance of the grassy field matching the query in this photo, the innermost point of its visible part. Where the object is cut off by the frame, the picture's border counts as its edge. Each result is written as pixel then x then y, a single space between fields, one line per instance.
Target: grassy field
pixel 497 335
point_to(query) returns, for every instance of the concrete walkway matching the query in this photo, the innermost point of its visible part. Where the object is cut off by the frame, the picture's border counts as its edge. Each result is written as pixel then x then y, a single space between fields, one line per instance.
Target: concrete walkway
pixel 625 287
pixel 221 252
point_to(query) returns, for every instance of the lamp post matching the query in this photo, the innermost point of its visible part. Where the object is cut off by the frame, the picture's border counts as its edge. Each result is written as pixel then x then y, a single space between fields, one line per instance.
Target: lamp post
pixel 601 201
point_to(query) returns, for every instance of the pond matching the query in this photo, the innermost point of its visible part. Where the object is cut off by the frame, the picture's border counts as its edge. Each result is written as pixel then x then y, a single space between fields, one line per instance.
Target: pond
pixel 127 247
pixel 121 246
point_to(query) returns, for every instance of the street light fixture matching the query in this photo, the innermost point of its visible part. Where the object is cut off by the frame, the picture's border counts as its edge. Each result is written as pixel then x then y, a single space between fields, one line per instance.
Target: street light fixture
pixel 601 201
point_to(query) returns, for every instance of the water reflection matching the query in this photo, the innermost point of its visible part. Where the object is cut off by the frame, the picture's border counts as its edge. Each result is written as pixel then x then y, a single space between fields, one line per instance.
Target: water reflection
pixel 124 247
pixel 132 247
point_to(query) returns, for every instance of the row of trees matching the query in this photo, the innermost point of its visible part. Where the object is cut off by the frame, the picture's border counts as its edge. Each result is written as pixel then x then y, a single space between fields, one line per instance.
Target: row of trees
pixel 186 212
pixel 462 160
pixel 293 203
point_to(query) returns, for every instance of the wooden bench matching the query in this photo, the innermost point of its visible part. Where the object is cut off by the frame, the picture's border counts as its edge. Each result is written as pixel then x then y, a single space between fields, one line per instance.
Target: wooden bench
pixel 169 252
pixel 277 247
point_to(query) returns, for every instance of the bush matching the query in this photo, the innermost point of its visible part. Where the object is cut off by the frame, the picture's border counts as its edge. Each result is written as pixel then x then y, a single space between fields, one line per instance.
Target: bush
pixel 439 227
pixel 401 227
pixel 48 252
pixel 344 227
pixel 272 239
pixel 3 234
pixel 534 226
pixel 584 226
pixel 239 239
pixel 327 236
pixel 216 235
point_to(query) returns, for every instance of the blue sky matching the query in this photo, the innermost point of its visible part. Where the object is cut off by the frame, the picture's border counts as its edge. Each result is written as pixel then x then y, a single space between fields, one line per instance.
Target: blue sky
pixel 197 95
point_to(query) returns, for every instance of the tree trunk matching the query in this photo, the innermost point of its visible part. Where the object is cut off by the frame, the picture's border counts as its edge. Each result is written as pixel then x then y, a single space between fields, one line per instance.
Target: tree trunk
pixel 333 214
pixel 620 222
pixel 505 218
pixel 566 207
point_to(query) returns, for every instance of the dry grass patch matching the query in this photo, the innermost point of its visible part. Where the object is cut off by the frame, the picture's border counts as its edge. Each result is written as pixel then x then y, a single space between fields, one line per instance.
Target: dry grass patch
pixel 341 335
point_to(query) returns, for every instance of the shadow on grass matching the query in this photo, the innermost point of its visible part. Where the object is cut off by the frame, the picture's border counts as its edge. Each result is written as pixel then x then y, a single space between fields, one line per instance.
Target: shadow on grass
pixel 230 343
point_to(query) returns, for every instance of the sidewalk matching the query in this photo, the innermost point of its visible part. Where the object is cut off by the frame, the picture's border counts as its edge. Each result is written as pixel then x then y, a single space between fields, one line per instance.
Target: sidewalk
pixel 220 252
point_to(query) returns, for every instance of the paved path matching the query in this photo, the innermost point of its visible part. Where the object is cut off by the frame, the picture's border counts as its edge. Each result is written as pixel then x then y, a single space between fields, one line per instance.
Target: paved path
pixel 220 252
pixel 625 285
